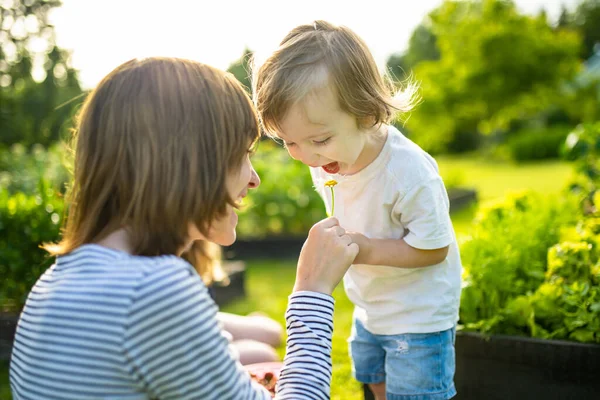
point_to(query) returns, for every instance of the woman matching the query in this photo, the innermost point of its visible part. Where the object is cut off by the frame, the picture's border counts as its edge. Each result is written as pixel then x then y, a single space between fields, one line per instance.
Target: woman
pixel 162 160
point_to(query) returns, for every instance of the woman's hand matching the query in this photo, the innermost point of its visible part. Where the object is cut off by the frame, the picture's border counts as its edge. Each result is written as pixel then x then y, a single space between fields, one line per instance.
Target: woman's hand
pixel 325 257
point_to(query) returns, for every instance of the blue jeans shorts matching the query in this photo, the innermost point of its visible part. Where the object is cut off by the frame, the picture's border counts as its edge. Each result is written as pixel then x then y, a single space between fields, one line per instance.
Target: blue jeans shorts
pixel 414 366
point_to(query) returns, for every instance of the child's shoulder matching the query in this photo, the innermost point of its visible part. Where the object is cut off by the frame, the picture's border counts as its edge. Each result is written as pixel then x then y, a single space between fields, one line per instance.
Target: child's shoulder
pixel 408 164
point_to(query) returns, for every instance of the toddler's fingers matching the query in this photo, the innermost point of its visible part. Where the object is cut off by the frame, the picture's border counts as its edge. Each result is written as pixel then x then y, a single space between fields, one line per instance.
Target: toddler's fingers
pixel 339 230
pixel 346 240
pixel 353 251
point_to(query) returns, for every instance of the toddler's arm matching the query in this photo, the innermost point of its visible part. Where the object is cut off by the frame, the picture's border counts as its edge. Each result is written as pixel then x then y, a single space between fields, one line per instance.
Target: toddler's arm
pixel 424 213
pixel 395 253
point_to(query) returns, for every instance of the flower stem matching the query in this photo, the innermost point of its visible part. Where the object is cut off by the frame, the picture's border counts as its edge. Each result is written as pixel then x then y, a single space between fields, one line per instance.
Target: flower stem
pixel 332 201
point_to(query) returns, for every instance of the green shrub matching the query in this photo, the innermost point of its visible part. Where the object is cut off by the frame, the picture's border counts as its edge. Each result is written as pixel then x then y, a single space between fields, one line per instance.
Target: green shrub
pixel 583 148
pixel 567 305
pixel 22 170
pixel 532 267
pixel 506 255
pixel 286 203
pixel 26 221
pixel 511 288
pixel 537 144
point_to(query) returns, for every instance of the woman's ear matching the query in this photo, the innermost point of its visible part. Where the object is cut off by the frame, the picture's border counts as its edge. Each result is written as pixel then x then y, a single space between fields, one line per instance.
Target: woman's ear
pixel 194 233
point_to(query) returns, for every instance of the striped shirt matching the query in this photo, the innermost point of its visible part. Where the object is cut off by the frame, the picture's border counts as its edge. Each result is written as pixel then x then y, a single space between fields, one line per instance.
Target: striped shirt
pixel 103 324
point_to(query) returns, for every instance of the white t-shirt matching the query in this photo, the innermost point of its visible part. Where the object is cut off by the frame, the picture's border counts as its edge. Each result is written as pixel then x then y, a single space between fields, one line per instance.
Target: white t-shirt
pixel 399 195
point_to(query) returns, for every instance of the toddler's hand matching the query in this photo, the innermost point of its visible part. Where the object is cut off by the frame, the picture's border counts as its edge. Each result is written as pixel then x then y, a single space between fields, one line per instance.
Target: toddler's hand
pixel 325 257
pixel 364 246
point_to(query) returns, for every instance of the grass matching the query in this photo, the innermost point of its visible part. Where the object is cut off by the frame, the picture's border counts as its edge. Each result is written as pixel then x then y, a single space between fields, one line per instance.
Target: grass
pixel 4 387
pixel 494 179
pixel 269 282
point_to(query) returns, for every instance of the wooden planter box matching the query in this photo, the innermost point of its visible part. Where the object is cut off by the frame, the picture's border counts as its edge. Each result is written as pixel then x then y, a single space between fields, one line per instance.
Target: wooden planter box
pixel 512 367
pixel 236 288
pixel 272 247
pixel 461 198
pixel 8 325
pixel 518 368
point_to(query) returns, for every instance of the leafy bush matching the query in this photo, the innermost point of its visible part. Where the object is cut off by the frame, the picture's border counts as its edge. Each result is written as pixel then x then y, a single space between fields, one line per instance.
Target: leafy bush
pixel 537 144
pixel 533 266
pixel 505 256
pixel 22 170
pixel 583 147
pixel 286 202
pixel 26 221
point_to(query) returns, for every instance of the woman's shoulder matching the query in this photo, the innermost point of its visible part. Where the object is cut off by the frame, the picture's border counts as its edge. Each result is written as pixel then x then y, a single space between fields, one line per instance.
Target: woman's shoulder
pixel 95 260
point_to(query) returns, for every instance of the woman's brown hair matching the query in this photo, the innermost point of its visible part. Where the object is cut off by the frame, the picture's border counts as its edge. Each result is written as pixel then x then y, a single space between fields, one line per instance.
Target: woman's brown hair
pixel 154 144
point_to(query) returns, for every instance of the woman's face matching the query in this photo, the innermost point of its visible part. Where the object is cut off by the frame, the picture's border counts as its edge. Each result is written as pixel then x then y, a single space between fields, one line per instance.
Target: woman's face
pixel 222 230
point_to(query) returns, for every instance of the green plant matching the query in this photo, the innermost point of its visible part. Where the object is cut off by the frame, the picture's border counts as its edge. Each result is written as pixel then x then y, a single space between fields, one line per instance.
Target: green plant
pixel 286 203
pixel 537 144
pixel 26 221
pixel 506 255
pixel 22 169
pixel 514 285
pixel 583 147
pixel 477 84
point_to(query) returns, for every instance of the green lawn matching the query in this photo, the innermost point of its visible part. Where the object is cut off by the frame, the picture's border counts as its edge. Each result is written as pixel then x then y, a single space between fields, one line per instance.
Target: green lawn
pixel 270 282
pixel 4 387
pixel 495 179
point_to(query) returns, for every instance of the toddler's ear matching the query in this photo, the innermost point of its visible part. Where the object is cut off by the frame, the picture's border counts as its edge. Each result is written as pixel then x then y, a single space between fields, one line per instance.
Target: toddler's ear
pixel 366 122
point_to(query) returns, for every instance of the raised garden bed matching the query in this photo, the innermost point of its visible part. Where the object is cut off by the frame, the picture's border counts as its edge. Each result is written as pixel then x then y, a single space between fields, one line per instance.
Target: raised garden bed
pixel 518 368
pixel 512 367
pixel 461 198
pixel 8 325
pixel 236 288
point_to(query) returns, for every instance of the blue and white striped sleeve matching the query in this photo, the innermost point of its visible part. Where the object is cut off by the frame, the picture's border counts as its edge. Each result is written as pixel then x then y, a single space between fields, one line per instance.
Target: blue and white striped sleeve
pixel 306 373
pixel 176 349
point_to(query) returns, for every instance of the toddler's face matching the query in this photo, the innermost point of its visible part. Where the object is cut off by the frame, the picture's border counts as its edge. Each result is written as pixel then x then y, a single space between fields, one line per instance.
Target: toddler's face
pixel 317 132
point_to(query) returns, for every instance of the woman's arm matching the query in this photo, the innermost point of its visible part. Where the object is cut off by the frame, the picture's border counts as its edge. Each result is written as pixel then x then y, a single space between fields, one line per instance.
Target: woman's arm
pixel 176 350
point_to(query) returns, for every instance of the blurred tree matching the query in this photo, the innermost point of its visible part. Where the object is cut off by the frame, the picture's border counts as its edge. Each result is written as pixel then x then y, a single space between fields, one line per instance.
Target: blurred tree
pixel 586 19
pixel 421 47
pixel 241 69
pixel 37 82
pixel 564 20
pixel 495 66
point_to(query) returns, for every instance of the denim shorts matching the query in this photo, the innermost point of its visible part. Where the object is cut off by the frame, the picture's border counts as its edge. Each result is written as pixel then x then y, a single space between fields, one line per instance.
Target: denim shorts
pixel 414 366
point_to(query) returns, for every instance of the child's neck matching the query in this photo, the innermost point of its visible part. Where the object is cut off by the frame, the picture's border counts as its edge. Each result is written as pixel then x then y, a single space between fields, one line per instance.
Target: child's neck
pixel 375 143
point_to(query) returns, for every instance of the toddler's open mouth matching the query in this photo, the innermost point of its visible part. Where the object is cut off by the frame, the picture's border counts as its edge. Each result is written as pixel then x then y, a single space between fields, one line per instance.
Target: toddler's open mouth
pixel 332 168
